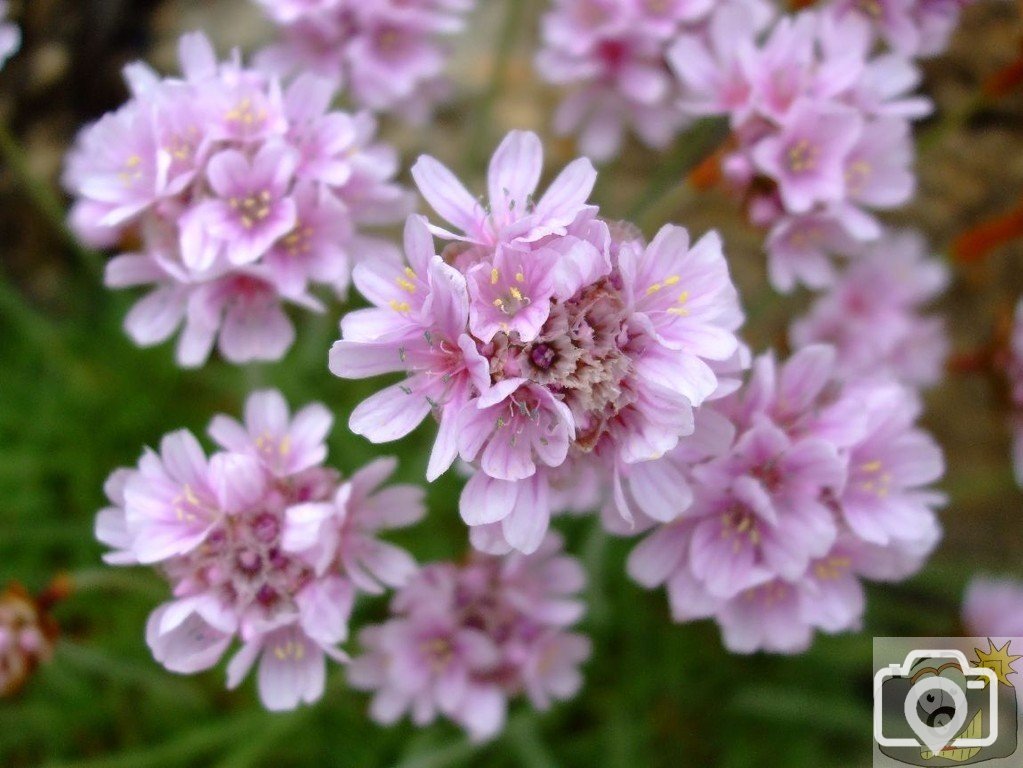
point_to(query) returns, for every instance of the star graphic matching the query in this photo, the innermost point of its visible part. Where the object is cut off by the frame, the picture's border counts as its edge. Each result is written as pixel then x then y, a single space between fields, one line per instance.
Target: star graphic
pixel 998 660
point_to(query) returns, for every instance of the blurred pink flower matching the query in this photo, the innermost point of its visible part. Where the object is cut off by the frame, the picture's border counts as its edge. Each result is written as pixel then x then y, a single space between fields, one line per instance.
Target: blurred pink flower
pixel 243 194
pixel 464 640
pixel 821 129
pixel 824 483
pixel 259 542
pixel 919 28
pixel 10 35
pixel 993 607
pixel 884 286
pixel 390 55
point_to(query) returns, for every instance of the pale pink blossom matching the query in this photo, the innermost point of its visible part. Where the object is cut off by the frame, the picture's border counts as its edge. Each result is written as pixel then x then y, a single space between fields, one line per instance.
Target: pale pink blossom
pixel 543 337
pixel 462 641
pixel 260 542
pixel 245 194
pixel 815 484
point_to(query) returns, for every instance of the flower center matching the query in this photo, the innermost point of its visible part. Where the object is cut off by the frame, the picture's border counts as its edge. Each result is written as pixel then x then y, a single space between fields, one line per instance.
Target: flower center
pixel 803 156
pixel 513 299
pixel 740 525
pixel 252 209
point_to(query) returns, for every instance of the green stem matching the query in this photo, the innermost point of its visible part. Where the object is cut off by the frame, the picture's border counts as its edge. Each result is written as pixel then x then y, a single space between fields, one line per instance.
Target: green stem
pixel 480 125
pixel 695 146
pixel 45 199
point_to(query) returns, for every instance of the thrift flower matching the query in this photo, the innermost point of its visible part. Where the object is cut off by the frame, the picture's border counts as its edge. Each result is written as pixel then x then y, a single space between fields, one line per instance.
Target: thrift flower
pixel 885 286
pixel 820 483
pixel 243 193
pixel 462 641
pixel 260 542
pixel 820 129
pixel 390 55
pixel 538 338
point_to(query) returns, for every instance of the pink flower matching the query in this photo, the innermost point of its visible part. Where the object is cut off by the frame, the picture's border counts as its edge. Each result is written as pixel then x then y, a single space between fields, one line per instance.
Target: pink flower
pixel 821 128
pixel 244 194
pixel 284 446
pixel 919 28
pixel 512 296
pixel 886 497
pixel 510 215
pixel 391 54
pixel 886 287
pixel 824 484
pixel 599 350
pixel 251 210
pixel 462 641
pixel 612 55
pixel 991 606
pixel 760 510
pixel 808 156
pixel 259 542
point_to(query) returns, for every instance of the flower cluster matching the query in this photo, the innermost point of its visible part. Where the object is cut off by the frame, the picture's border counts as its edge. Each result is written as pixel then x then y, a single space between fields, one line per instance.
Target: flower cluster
pixel 10 35
pixel 802 485
pixel 612 54
pixel 463 640
pixel 918 28
pixel 821 131
pixel 993 607
pixel 388 54
pixel 239 194
pixel 884 287
pixel 27 637
pixel 546 342
pixel 259 541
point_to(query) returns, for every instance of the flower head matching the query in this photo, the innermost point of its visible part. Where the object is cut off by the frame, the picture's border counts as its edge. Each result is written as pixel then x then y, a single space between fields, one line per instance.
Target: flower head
pixel 612 56
pixel 820 483
pixel 244 195
pixel 464 640
pixel 821 129
pixel 538 337
pixel 885 286
pixel 259 541
pixel 390 54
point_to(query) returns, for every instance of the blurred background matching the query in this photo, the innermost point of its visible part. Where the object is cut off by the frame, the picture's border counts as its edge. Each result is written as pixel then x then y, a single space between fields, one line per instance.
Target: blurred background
pixel 78 399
